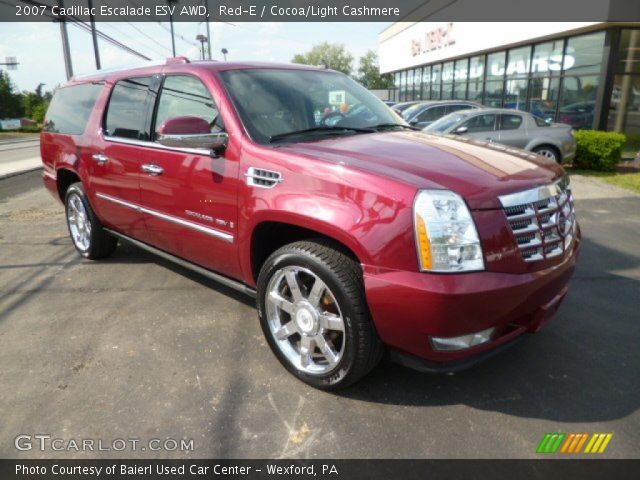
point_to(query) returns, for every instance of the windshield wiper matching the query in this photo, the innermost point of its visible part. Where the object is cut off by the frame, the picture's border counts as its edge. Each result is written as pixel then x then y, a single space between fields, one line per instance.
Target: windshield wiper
pixel 321 129
pixel 392 125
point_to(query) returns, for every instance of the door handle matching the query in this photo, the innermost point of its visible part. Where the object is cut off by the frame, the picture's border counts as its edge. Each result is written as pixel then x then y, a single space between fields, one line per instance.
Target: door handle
pixel 152 169
pixel 100 158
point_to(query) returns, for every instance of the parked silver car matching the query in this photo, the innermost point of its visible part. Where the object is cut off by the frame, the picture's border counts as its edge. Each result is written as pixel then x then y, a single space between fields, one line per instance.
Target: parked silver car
pixel 512 128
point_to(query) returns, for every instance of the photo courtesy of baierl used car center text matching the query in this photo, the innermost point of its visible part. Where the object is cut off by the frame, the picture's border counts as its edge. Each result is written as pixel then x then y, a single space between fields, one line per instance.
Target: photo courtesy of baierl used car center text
pixel 296 239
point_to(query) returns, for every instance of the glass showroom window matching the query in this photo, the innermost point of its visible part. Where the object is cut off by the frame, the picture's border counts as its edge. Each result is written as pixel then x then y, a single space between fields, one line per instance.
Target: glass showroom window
pixel 409 95
pixel 517 82
pixel 403 86
pixel 460 75
pixel 584 54
pixel 544 86
pixel 624 110
pixel 496 67
pixel 436 78
pixel 476 78
pixel 447 81
pixel 417 84
pixel 578 100
pixel 426 83
pixel 396 83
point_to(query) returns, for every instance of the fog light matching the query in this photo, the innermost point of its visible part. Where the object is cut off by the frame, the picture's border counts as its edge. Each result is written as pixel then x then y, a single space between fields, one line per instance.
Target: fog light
pixel 460 343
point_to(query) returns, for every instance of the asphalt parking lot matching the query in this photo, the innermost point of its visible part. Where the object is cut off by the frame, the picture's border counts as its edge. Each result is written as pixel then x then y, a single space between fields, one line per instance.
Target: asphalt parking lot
pixel 134 347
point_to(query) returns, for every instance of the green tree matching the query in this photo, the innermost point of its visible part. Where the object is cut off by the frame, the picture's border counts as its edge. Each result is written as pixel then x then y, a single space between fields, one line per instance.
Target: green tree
pixel 369 73
pixel 332 55
pixel 10 101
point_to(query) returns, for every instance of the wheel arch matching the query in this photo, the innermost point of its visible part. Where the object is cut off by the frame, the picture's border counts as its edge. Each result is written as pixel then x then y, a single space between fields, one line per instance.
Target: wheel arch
pixel 269 235
pixel 65 177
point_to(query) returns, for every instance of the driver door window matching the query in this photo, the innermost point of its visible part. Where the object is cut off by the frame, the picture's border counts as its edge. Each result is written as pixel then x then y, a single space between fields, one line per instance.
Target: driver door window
pixel 480 123
pixel 184 95
pixel 431 114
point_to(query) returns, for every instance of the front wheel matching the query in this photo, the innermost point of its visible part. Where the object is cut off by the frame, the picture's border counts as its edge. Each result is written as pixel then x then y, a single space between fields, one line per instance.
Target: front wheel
pixel 86 231
pixel 314 314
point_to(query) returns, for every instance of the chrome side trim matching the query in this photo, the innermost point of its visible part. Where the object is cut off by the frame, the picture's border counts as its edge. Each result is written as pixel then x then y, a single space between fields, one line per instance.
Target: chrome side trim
pixel 260 177
pixel 226 281
pixel 227 237
pixel 142 143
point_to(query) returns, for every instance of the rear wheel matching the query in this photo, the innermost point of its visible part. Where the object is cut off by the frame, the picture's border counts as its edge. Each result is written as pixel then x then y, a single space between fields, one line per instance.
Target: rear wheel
pixel 549 152
pixel 314 314
pixel 86 231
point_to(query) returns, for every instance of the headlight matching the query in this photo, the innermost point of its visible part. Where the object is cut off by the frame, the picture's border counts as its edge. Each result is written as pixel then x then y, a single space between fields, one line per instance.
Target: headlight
pixel 446 237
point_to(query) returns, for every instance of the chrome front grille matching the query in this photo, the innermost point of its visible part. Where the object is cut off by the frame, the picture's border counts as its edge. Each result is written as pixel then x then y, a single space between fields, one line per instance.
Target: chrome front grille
pixel 542 219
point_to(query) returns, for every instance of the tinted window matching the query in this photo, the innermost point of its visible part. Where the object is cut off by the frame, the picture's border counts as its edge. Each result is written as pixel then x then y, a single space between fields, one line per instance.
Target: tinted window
pixel 127 111
pixel 511 122
pixel 431 114
pixel 480 123
pixel 446 122
pixel 540 122
pixel 187 96
pixel 455 108
pixel 71 107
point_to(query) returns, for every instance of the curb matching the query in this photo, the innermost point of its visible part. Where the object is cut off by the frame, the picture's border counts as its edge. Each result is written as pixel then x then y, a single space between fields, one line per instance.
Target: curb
pixel 14 174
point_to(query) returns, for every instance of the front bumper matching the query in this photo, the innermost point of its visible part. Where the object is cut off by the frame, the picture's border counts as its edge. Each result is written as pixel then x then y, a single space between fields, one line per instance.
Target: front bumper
pixel 409 308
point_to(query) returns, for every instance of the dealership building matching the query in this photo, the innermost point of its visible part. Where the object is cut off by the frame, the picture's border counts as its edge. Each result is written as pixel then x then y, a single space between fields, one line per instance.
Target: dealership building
pixel 586 74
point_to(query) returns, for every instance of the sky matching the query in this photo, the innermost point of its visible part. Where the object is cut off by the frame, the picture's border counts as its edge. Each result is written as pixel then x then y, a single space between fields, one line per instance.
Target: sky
pixel 38 46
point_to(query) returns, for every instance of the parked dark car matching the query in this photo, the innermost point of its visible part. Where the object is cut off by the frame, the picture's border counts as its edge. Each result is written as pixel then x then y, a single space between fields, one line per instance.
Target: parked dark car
pixel 402 106
pixel 513 128
pixel 423 114
pixel 578 115
pixel 354 233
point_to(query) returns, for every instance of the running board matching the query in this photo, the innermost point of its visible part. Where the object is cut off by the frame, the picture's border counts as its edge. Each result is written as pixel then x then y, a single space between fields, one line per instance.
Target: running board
pixel 226 281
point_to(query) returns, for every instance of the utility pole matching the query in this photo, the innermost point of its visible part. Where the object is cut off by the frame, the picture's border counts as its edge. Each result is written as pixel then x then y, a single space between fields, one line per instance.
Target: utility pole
pixel 202 38
pixel 208 31
pixel 65 43
pixel 92 19
pixel 173 38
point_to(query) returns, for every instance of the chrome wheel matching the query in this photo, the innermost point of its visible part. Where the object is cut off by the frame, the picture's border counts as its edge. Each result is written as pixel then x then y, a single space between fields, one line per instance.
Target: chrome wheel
pixel 548 153
pixel 79 223
pixel 305 320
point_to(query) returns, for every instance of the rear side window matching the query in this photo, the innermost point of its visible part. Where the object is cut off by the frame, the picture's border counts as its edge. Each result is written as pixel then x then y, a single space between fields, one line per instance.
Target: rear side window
pixel 127 111
pixel 510 122
pixel 455 108
pixel 71 108
pixel 541 122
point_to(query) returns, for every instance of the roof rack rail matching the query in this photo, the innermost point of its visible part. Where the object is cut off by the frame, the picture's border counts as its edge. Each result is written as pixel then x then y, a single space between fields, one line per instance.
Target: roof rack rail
pixel 174 60
pixel 152 63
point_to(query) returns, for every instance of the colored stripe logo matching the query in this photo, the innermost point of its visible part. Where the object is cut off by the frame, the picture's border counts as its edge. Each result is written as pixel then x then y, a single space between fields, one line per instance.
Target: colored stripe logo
pixel 574 442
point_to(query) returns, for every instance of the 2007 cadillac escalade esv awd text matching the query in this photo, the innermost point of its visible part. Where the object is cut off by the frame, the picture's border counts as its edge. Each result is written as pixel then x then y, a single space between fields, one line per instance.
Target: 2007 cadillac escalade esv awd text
pixel 355 233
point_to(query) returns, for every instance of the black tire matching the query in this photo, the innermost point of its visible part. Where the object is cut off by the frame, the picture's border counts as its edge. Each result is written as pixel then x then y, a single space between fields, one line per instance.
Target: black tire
pixel 549 152
pixel 100 243
pixel 343 278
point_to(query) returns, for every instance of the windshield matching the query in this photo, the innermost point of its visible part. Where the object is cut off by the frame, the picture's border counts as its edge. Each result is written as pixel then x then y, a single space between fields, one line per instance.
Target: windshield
pixel 273 103
pixel 446 122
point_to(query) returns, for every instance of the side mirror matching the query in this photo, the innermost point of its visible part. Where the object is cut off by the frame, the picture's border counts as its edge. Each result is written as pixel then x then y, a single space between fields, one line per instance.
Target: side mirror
pixel 191 132
pixel 413 122
pixel 460 130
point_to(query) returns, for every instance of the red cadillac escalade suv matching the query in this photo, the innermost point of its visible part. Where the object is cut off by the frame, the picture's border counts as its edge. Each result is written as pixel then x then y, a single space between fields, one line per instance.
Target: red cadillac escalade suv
pixel 355 233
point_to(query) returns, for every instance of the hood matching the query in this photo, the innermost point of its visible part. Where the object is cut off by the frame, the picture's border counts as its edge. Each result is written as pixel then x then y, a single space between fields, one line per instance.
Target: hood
pixel 478 171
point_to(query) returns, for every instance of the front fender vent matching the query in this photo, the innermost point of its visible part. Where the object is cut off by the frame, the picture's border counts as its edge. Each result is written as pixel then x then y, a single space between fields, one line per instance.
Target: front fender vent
pixel 259 177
